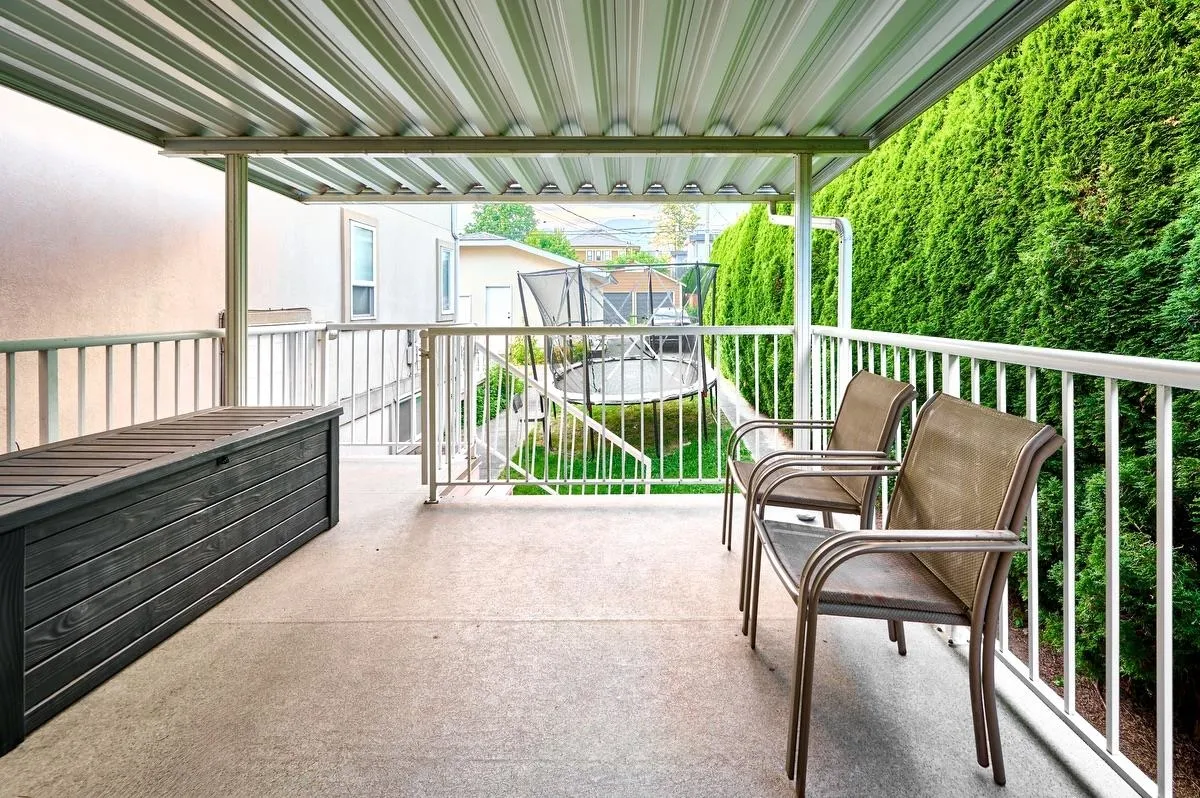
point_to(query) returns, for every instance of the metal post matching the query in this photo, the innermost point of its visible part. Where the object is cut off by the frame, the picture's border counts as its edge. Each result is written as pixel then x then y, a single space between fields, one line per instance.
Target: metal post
pixel 237 344
pixel 802 296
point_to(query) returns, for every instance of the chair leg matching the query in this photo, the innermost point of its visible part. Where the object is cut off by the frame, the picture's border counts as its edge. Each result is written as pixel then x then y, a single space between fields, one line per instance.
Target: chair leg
pixel 798 661
pixel 892 631
pixel 747 532
pixel 901 643
pixel 989 702
pixel 827 519
pixel 755 583
pixel 975 674
pixel 805 680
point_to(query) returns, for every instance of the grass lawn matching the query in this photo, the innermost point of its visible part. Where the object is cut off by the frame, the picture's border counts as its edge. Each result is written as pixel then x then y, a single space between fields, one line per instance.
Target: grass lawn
pixel 682 457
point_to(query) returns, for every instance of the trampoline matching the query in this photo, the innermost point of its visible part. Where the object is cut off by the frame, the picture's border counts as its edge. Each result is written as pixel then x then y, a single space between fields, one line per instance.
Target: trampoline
pixel 615 369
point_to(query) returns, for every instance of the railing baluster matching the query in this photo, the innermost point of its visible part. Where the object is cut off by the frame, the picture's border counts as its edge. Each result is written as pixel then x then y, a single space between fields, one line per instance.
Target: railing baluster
pixel 81 391
pixel 1164 591
pixel 157 371
pixel 177 367
pixel 196 374
pixel 1068 503
pixel 10 401
pixel 716 402
pixel 951 375
pixel 214 364
pixel 975 380
pixel 757 377
pixel 354 385
pixel 108 387
pixel 133 383
pixel 1031 525
pixel 1002 406
pixel 775 377
pixel 930 382
pixel 1112 561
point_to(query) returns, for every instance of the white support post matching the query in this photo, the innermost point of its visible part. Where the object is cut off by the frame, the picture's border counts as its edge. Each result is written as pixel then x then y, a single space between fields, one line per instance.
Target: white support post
pixel 237 343
pixel 802 297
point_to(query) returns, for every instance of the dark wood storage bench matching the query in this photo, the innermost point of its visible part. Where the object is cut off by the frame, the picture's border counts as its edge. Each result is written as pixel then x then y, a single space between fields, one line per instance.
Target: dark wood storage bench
pixel 111 543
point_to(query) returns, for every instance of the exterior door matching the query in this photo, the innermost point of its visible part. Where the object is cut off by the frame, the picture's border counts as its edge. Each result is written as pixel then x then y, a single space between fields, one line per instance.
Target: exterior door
pixel 497 306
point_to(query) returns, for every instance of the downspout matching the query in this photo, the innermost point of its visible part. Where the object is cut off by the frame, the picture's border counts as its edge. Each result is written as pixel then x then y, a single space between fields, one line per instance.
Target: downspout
pixel 841 226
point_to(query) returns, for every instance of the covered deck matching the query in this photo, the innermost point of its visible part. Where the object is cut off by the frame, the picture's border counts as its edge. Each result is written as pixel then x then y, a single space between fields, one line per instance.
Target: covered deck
pixel 483 647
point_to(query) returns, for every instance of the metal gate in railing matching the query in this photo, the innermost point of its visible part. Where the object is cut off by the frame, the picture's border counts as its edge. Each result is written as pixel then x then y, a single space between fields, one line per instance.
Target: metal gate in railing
pixel 603 409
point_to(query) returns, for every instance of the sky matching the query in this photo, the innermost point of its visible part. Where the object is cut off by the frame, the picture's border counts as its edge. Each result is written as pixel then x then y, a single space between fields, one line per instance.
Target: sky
pixel 633 221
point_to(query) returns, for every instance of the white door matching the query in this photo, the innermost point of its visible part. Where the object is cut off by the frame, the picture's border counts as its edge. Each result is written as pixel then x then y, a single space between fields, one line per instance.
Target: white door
pixel 497 306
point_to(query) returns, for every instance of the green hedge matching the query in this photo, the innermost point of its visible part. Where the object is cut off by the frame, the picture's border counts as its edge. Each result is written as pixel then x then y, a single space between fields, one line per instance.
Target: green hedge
pixel 1053 200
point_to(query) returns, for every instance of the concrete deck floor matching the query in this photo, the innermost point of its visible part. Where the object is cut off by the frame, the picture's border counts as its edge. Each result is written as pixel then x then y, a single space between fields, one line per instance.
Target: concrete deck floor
pixel 526 646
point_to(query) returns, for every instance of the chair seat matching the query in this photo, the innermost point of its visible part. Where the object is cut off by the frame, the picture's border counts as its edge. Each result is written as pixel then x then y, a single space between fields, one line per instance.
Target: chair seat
pixel 888 585
pixel 817 492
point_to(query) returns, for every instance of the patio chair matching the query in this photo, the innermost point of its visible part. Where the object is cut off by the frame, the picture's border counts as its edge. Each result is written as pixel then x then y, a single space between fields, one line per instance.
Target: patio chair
pixel 961 496
pixel 864 429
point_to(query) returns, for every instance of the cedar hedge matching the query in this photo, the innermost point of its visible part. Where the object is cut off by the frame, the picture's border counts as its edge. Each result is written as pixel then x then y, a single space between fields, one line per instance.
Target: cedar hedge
pixel 1053 200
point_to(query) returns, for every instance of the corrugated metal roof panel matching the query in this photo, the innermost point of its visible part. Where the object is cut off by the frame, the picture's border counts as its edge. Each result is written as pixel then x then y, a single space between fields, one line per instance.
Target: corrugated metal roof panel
pixel 548 69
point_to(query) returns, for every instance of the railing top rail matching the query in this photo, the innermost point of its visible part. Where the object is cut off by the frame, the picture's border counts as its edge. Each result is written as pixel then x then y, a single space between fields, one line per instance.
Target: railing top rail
pixel 643 329
pixel 277 329
pixel 46 344
pixel 1155 371
pixel 378 325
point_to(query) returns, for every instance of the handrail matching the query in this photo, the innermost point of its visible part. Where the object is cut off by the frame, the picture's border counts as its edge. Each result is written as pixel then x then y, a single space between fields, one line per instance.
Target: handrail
pixel 619 329
pixel 1175 373
pixel 47 344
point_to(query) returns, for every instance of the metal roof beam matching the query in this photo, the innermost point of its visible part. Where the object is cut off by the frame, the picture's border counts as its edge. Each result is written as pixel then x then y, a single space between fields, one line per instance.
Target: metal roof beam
pixel 512 146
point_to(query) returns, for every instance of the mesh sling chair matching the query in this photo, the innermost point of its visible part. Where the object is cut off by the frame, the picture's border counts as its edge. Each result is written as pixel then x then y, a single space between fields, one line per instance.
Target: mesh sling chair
pixel 863 431
pixel 961 496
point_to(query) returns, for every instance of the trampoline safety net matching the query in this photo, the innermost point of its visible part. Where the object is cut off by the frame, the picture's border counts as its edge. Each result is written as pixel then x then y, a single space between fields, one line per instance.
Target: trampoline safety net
pixel 623 369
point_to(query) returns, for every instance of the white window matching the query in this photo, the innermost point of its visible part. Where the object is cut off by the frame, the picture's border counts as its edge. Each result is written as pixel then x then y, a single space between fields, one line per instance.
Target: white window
pixel 362 259
pixel 447 290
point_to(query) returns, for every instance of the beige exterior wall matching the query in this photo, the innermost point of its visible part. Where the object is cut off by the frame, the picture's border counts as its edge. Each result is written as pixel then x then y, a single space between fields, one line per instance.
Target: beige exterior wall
pixel 101 235
pixel 483 265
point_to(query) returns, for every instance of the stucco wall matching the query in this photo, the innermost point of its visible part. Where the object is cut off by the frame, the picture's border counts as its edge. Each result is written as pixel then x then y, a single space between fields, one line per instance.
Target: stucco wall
pixel 101 235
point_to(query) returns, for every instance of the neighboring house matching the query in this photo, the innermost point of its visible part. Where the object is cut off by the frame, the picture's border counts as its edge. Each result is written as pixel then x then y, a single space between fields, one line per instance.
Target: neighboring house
pixel 489 290
pixel 637 291
pixel 699 248
pixel 592 248
pixel 79 257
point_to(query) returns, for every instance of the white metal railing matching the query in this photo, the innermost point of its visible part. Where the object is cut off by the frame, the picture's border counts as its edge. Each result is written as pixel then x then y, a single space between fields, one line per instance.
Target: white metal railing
pixel 65 387
pixel 620 408
pixel 374 372
pixel 994 373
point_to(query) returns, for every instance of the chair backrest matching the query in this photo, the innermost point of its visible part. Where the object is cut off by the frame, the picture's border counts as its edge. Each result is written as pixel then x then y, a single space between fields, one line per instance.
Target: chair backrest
pixel 967 467
pixel 866 421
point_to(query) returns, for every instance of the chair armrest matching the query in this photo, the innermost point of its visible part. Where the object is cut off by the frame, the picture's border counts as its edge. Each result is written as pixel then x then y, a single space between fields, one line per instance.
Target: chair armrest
pixel 771 479
pixel 838 548
pixel 744 429
pixel 822 457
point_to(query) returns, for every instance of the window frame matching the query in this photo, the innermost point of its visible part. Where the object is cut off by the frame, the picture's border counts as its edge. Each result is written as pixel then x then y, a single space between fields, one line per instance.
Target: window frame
pixel 349 281
pixel 447 297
